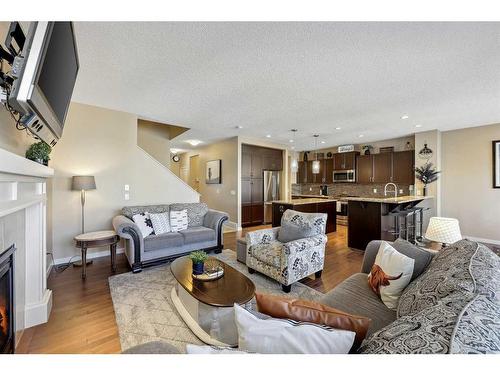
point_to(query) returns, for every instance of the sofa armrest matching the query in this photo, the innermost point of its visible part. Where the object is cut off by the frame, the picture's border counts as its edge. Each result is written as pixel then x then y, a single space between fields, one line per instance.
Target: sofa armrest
pixel 127 229
pixel 370 255
pixel 261 236
pixel 213 219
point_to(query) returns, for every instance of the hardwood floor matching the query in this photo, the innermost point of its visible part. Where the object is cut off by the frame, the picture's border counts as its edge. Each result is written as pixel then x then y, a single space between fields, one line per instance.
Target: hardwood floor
pixel 83 319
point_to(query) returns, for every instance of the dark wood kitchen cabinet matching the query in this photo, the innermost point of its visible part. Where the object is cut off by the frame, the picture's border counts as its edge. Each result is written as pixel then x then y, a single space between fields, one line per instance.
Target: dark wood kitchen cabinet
pixel 302 172
pixel 387 167
pixel 254 161
pixel 345 161
pixel 318 206
pixel 403 167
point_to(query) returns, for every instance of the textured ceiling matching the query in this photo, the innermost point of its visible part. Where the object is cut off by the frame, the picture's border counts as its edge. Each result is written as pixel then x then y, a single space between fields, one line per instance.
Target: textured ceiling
pixel 271 77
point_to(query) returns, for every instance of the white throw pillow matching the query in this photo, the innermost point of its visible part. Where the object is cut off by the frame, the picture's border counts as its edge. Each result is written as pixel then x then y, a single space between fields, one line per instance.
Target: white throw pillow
pixel 390 274
pixel 178 220
pixel 144 223
pixel 282 336
pixel 206 349
pixel 161 222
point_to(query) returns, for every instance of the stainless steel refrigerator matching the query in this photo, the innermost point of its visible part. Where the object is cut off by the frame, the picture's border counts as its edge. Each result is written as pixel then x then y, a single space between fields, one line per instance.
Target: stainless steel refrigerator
pixel 271 193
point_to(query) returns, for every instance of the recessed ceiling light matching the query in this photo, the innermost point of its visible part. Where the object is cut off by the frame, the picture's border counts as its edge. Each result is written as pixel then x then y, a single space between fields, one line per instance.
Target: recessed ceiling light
pixel 293 147
pixel 268 136
pixel 418 126
pixel 361 135
pixel 193 142
pixel 239 127
pixel 338 128
pixel 323 142
pixel 291 141
pixel 405 117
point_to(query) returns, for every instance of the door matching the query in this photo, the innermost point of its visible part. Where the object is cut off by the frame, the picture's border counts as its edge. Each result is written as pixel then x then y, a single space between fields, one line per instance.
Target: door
pixel 382 167
pixel 256 171
pixel 403 168
pixel 194 172
pixel 350 160
pixel 364 169
pixel 246 162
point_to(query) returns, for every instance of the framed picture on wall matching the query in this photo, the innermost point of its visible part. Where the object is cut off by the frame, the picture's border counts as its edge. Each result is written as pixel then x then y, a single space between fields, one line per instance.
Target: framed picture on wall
pixel 496 164
pixel 213 173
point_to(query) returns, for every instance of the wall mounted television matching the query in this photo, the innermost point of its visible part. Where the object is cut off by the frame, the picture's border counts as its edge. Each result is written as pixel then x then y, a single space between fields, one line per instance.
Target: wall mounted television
pixel 46 77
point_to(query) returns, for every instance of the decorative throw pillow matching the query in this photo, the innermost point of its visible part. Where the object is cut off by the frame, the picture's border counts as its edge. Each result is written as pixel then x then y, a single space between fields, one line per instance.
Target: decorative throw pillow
pixel 313 312
pixel 280 336
pixel 296 225
pixel 195 211
pixel 178 220
pixel 390 274
pixel 144 223
pixel 161 222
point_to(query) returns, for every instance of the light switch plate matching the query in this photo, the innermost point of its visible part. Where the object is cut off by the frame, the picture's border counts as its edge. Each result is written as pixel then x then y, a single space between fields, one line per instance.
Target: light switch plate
pixel 126 187
pixel 375 191
pixel 127 196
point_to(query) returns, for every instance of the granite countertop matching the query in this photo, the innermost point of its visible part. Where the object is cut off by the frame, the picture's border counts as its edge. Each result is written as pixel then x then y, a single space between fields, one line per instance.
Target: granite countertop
pixel 297 202
pixel 398 200
pixel 312 196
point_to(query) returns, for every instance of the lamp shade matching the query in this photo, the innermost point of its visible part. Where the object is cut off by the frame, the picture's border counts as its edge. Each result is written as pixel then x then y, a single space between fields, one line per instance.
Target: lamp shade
pixel 83 183
pixel 443 229
pixel 315 166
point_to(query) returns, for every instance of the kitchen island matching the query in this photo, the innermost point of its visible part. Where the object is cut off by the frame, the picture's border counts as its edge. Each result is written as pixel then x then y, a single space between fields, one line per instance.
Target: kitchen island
pixel 315 205
pixel 374 218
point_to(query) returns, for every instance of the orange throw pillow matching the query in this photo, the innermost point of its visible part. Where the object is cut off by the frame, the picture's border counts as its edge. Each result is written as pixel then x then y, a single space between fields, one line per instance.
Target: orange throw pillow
pixel 313 312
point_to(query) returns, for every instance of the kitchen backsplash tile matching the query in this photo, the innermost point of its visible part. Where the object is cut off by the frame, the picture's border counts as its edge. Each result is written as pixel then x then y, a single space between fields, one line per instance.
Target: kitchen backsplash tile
pixel 352 189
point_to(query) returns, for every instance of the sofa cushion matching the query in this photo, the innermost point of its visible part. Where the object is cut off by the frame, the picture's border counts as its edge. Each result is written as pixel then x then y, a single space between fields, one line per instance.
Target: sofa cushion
pixel 313 312
pixel 196 212
pixel 296 225
pixel 197 234
pixel 130 211
pixel 163 241
pixel 449 272
pixel 354 296
pixel 268 253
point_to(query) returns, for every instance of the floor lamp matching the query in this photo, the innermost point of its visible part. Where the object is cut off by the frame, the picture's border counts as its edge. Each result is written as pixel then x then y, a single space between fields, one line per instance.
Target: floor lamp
pixel 83 183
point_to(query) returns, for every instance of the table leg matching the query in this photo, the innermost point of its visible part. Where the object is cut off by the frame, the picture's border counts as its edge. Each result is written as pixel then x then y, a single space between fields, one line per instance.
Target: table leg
pixel 113 257
pixel 84 262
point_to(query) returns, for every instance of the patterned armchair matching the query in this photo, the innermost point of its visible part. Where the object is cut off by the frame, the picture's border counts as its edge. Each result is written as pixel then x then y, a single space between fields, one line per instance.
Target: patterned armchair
pixel 288 262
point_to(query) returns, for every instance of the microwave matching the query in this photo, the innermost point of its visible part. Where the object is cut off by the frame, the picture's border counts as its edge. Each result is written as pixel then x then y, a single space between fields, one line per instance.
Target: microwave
pixel 344 176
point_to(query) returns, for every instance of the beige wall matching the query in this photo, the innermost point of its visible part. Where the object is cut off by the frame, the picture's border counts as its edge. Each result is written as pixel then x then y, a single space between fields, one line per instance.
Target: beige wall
pixel 103 143
pixel 222 197
pixel 467 179
pixel 154 138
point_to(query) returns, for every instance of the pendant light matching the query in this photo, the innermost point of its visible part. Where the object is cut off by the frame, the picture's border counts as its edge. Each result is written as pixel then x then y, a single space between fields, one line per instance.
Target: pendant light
pixel 294 164
pixel 316 163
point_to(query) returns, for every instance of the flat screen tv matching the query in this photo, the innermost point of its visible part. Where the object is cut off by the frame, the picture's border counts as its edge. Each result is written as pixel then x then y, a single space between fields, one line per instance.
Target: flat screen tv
pixel 46 78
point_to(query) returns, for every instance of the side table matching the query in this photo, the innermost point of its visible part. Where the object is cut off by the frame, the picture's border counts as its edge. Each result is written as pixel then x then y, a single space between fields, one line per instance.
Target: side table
pixel 97 239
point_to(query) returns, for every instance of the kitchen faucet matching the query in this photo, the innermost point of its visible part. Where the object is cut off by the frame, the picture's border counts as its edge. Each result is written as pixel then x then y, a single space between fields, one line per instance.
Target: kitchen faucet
pixel 390 191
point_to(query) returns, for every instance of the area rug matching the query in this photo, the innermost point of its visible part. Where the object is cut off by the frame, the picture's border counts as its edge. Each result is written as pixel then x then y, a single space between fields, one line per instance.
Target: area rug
pixel 144 310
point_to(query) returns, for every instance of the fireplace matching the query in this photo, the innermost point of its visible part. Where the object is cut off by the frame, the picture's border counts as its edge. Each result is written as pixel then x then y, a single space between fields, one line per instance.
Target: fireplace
pixel 7 301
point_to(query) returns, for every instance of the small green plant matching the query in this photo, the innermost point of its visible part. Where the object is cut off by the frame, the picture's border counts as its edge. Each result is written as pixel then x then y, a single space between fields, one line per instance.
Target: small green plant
pixel 39 152
pixel 198 257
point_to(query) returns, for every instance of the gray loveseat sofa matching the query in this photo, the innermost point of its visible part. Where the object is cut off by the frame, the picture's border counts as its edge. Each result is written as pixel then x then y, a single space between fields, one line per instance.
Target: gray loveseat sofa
pixel 204 232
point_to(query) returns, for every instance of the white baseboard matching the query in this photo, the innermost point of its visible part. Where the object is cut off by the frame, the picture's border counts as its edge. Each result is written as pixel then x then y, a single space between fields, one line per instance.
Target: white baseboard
pixel 38 313
pixel 98 254
pixel 230 226
pixel 483 240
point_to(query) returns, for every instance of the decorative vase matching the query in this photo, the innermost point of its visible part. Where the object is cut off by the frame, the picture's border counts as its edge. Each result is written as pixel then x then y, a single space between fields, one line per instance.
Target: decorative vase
pixel 197 268
pixel 305 155
pixel 425 190
pixel 367 151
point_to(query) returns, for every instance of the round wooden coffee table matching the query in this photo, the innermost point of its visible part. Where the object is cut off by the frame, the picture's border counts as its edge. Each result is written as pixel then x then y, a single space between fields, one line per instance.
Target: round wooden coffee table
pixel 97 239
pixel 207 306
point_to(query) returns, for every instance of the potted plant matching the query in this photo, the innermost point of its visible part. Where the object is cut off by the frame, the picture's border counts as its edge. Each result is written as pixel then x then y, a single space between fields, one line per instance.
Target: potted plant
pixel 367 149
pixel 198 258
pixel 426 174
pixel 39 152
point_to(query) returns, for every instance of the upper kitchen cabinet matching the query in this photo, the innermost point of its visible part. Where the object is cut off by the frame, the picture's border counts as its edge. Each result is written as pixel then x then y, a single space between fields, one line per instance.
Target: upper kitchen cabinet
pixel 364 169
pixel 403 167
pixel 272 160
pixel 345 161
pixel 386 167
pixel 382 168
pixel 302 173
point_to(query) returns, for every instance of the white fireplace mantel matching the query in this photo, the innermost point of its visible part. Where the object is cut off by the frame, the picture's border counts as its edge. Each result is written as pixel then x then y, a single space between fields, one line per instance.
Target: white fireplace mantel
pixel 23 221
